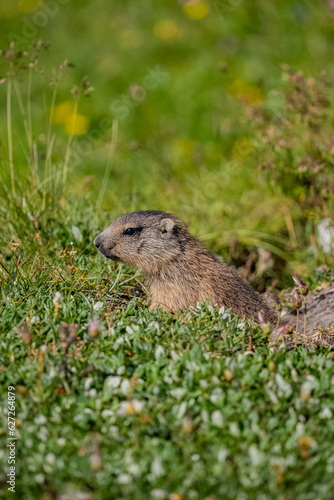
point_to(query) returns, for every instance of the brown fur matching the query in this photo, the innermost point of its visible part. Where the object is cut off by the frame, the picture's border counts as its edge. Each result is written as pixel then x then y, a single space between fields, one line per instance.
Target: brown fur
pixel 179 270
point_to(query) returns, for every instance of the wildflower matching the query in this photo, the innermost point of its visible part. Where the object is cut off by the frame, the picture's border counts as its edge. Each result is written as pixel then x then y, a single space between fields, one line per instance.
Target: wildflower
pixel 62 112
pixel 178 393
pixel 160 351
pixel 303 288
pixel 196 9
pixel 296 301
pixel 156 466
pixel 217 419
pixel 124 479
pixel 159 493
pixel 130 407
pixel 77 124
pixel 284 388
pixel 57 298
pixel 166 30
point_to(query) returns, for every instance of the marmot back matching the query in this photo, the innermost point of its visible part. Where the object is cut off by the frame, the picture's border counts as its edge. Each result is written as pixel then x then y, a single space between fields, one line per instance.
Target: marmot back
pixel 180 271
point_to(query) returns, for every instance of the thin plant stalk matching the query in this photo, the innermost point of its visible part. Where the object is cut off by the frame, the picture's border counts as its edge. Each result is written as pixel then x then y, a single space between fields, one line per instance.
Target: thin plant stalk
pixel 48 161
pixel 48 141
pixel 26 128
pixel 111 154
pixel 9 130
pixel 305 338
pixel 68 146
pixel 296 336
pixel 29 119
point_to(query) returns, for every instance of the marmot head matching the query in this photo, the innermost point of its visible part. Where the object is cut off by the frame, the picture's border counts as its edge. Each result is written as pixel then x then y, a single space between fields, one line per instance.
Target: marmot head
pixel 147 240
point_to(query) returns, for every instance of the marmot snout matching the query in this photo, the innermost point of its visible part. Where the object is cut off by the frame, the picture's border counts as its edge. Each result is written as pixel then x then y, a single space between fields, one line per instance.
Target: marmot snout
pixel 180 271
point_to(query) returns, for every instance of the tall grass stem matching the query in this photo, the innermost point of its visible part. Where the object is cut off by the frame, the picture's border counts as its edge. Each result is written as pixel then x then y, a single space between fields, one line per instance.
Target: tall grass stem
pixel 111 155
pixel 9 130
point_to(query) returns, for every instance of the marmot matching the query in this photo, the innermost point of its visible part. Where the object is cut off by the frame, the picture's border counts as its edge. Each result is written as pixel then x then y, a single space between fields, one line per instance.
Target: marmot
pixel 179 270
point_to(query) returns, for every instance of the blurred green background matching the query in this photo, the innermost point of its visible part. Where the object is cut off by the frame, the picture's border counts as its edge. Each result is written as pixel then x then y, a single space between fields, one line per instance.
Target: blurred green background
pixel 203 100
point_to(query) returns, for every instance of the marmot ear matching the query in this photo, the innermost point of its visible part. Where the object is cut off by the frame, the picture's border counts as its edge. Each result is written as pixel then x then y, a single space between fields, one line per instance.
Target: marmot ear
pixel 166 226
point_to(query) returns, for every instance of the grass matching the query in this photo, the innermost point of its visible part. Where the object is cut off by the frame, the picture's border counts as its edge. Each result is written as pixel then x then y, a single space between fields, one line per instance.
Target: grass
pixel 117 401
pixel 114 401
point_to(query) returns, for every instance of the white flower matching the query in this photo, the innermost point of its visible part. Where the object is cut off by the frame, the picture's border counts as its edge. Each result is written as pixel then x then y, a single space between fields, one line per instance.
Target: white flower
pixel 119 342
pixel 77 234
pixel 125 386
pixel 178 393
pixel 217 419
pixel 156 466
pixel 43 434
pixel 40 420
pixel 130 407
pixel 112 382
pixel 155 324
pixel 57 298
pixel 159 493
pixel 234 429
pixel 326 413
pixel 160 351
pixel 50 458
pixel 87 383
pixel 205 416
pixel 134 469
pixel 256 455
pixel 284 387
pixel 222 455
pixel 182 409
pixel 124 479
pixel 107 413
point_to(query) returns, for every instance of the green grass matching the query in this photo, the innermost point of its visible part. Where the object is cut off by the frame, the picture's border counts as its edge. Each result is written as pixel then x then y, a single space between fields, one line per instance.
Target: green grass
pixel 134 401
pixel 115 401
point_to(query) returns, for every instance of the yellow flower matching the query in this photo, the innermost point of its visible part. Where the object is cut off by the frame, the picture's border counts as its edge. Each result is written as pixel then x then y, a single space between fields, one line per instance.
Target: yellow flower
pixel 76 125
pixel 196 9
pixel 246 93
pixel 166 30
pixel 29 5
pixel 242 148
pixel 183 147
pixel 63 112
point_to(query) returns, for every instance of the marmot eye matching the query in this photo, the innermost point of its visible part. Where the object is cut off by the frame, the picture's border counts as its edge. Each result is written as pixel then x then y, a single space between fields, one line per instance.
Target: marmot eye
pixel 130 231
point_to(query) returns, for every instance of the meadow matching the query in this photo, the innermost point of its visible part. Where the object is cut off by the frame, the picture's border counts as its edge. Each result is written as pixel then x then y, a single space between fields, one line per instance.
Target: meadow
pixel 222 113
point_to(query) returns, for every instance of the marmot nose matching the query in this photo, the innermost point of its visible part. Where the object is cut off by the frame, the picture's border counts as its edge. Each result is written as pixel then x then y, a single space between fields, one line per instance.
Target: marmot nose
pixel 97 241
